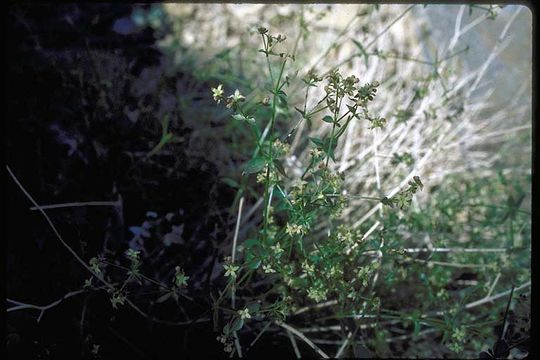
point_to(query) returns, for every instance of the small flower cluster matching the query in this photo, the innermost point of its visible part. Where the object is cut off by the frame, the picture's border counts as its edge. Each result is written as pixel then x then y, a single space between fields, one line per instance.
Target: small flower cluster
pixel 235 99
pixel 403 198
pixel 135 263
pixel 244 314
pixel 217 93
pixel 295 229
pixel 227 343
pixel 232 101
pixel 298 192
pixel 333 181
pixel 364 273
pixel 377 122
pixel 270 41
pixel 117 299
pixel 95 265
pixel 405 158
pixel 366 93
pixel 347 236
pixel 273 176
pixel 337 88
pixel 180 278
pixel 308 268
pixel 231 270
pixel 318 291
pixel 311 78
pixel 458 339
pixel 316 153
pixel 280 149
pixel 268 269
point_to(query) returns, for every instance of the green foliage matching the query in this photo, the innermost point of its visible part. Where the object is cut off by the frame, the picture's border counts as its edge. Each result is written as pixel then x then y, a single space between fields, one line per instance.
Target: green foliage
pixel 302 268
pixel 284 247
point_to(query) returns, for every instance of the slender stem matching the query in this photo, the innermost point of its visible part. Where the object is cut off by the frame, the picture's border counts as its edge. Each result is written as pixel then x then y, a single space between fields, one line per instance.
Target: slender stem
pixel 267 197
pixel 304 338
pixel 235 238
pixel 506 313
pixel 294 345
pixel 77 204
pixel 22 306
pixel 260 333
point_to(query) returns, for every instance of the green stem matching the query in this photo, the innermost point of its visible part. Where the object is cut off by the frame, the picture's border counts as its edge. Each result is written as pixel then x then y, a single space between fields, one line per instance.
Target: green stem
pixel 230 284
pixel 270 146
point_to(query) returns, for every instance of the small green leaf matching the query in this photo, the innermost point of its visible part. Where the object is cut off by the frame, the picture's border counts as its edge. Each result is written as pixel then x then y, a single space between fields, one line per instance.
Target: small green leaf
pixel 250 243
pixel 254 263
pixel 255 165
pixel 253 307
pixel 362 51
pixel 317 141
pixel 418 181
pixel 416 328
pixel 237 324
pixel 240 117
pixel 164 298
pixel 226 330
pixel 352 109
pixel 230 182
pixel 328 119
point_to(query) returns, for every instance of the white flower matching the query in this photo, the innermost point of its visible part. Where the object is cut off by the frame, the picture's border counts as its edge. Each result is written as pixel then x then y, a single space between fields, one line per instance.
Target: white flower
pixel 277 249
pixel 244 314
pixel 317 294
pixel 308 268
pixel 236 97
pixel 315 152
pixel 230 270
pixel 300 185
pixel 293 229
pixel 218 93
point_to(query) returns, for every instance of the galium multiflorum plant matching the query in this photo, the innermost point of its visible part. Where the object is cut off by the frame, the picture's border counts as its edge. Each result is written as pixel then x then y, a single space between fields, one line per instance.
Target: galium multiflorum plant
pixel 132 277
pixel 298 266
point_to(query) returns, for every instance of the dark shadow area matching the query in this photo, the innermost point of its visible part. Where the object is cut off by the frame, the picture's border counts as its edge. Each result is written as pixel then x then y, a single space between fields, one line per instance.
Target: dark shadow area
pixel 79 130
